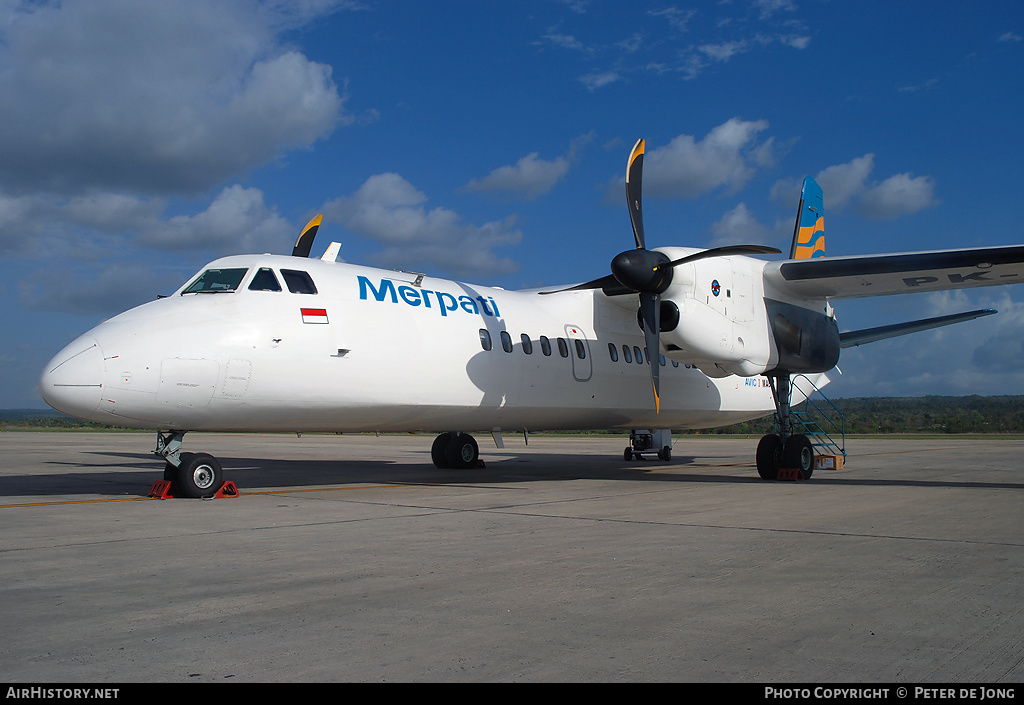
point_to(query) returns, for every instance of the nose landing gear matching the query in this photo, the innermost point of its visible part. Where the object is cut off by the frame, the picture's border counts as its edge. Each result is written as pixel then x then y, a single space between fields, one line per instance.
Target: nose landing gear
pixel 194 475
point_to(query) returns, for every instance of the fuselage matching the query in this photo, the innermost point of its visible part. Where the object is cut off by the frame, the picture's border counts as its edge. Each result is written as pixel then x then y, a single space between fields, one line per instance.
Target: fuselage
pixel 380 350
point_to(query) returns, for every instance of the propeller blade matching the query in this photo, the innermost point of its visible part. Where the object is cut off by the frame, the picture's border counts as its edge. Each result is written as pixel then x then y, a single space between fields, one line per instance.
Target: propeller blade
pixel 724 251
pixel 304 243
pixel 639 271
pixel 602 283
pixel 650 312
pixel 634 181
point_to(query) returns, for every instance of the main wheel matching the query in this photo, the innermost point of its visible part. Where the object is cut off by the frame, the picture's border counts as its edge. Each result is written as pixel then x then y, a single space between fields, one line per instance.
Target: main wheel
pixel 769 456
pixel 199 475
pixel 437 451
pixel 627 454
pixel 665 454
pixel 799 453
pixel 462 452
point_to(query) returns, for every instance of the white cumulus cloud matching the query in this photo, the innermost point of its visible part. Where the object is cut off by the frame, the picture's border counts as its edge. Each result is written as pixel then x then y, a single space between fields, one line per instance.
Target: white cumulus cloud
pixel 391 211
pixel 157 96
pixel 687 167
pixel 844 182
pixel 738 227
pixel 531 176
pixel 847 186
pixel 237 220
pixel 898 195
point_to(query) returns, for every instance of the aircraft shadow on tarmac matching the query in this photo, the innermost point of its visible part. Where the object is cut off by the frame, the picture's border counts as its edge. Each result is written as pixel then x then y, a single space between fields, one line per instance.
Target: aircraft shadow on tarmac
pixel 120 474
pixel 132 474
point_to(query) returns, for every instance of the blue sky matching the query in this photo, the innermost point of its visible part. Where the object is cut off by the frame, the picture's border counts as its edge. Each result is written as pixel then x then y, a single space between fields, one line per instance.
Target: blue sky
pixel 488 141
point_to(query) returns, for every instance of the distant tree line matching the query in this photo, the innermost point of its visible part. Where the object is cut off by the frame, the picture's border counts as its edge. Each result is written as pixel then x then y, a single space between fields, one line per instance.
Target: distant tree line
pixel 932 414
pixel 14 419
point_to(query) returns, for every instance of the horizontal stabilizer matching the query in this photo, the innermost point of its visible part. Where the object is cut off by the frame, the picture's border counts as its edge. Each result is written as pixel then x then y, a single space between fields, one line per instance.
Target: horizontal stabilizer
pixel 850 339
pixel 903 273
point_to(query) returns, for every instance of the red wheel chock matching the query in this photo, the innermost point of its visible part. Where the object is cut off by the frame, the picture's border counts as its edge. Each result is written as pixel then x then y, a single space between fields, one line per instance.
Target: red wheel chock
pixel 793 474
pixel 165 489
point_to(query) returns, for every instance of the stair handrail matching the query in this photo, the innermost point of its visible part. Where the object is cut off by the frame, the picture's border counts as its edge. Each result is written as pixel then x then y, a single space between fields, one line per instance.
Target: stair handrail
pixel 840 427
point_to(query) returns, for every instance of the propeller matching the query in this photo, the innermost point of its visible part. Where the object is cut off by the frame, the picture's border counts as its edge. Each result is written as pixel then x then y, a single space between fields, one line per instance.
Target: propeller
pixel 642 270
pixel 649 273
pixel 304 243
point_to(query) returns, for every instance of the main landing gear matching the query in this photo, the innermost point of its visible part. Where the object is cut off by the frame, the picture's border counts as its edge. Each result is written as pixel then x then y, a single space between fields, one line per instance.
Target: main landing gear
pixel 196 475
pixel 784 451
pixel 455 450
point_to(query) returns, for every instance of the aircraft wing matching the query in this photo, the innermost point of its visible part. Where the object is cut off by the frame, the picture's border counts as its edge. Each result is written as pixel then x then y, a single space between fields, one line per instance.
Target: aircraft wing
pixel 901 273
pixel 849 339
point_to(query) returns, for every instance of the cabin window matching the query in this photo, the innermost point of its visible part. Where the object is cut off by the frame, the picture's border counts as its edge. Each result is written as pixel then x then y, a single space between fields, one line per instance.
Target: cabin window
pixel 563 347
pixel 527 344
pixel 625 354
pixel 506 341
pixel 545 346
pixel 485 339
pixel 264 280
pixel 216 281
pixel 581 351
pixel 613 352
pixel 661 358
pixel 298 282
pixel 638 355
pixel 675 364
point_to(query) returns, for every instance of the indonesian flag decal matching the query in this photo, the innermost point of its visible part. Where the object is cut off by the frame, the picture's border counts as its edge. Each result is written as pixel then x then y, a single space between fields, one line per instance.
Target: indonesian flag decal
pixel 314 315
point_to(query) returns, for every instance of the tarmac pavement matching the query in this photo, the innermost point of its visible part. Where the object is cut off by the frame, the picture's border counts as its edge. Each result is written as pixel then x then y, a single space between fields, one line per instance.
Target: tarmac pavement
pixel 351 558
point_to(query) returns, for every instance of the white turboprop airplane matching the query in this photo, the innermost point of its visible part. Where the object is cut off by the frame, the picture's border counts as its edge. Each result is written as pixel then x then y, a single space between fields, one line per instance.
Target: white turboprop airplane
pixel 673 338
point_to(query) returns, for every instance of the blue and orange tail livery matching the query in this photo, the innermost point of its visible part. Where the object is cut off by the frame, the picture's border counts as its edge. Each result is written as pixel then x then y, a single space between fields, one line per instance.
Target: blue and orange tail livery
pixel 809 234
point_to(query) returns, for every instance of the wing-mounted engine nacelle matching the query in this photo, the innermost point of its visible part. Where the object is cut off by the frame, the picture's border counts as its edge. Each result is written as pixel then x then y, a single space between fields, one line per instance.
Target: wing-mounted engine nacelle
pixel 806 340
pixel 780 336
pixel 721 328
pixel 710 340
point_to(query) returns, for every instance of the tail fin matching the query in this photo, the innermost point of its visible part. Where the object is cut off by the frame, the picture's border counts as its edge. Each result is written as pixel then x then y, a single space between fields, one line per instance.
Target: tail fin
pixel 809 233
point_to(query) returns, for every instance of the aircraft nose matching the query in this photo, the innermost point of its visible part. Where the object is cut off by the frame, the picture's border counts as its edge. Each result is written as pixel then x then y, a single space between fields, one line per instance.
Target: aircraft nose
pixel 72 381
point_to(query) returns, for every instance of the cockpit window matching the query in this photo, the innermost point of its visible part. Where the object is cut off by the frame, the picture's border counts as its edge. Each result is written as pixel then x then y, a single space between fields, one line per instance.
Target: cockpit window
pixel 265 281
pixel 298 282
pixel 216 281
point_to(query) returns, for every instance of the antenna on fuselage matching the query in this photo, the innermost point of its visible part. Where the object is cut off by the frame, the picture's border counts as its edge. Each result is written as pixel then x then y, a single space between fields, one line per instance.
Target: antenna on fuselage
pixel 331 255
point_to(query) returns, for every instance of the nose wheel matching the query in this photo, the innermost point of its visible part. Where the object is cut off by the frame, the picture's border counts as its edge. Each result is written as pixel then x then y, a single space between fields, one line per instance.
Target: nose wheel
pixel 195 475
